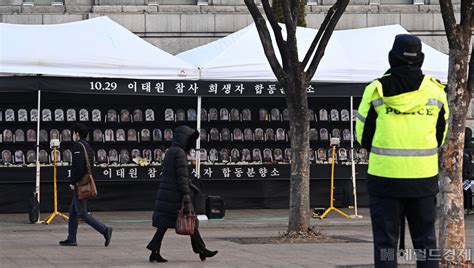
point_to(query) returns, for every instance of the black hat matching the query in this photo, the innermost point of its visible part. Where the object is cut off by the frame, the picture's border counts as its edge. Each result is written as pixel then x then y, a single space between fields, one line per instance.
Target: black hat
pixel 406 50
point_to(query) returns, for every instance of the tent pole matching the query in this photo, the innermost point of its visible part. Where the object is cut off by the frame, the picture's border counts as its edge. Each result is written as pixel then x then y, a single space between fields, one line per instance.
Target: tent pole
pixel 38 122
pixel 198 142
pixel 354 185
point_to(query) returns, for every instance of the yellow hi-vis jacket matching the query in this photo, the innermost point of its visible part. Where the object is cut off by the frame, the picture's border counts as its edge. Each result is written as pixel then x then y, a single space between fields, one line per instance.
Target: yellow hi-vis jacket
pixel 404 144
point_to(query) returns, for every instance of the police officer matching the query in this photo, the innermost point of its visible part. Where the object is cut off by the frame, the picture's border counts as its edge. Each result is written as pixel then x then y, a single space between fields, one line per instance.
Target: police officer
pixel 402 121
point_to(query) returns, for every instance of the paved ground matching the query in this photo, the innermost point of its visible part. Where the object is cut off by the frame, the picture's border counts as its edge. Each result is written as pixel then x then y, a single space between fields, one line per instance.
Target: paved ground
pixel 36 245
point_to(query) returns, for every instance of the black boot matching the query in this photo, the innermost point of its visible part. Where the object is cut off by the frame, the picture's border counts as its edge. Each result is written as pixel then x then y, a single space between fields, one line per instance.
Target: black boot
pixel 207 254
pixel 155 256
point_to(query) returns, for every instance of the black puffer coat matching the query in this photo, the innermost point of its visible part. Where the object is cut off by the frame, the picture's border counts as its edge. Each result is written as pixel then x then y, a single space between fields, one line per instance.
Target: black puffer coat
pixel 174 180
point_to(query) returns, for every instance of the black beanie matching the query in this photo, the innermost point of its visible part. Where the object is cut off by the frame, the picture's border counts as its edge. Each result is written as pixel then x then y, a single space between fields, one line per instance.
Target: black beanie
pixel 406 50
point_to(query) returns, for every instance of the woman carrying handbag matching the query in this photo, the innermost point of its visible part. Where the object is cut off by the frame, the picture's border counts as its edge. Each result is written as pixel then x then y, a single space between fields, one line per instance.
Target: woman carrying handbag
pixel 174 194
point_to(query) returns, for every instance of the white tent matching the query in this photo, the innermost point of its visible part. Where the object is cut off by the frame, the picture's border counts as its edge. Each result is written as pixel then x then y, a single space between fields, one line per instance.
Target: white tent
pixel 96 47
pixel 352 56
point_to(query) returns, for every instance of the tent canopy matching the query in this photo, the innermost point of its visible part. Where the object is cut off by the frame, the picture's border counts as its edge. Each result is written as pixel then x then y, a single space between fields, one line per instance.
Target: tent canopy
pixel 352 56
pixel 96 47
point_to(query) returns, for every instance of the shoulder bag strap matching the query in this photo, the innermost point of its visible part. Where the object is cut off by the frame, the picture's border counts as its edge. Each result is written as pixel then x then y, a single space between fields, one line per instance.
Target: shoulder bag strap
pixel 87 158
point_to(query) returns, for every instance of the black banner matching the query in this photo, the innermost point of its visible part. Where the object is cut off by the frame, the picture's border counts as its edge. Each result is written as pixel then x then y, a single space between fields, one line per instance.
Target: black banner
pixel 208 172
pixel 118 86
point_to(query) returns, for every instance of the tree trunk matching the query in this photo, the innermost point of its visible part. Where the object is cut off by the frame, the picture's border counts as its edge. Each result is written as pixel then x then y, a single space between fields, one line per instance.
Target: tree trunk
pixel 451 232
pixel 299 213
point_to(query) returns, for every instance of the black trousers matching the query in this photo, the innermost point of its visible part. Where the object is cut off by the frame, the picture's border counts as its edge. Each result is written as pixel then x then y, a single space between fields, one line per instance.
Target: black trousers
pixel 386 215
pixel 196 241
pixel 468 199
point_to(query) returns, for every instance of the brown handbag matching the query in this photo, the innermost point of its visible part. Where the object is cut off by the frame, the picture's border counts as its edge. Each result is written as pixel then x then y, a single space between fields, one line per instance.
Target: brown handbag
pixel 185 224
pixel 85 187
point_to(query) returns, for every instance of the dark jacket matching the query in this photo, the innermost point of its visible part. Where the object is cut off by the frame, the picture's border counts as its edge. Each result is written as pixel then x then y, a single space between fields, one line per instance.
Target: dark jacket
pixel 79 167
pixel 402 79
pixel 466 162
pixel 174 178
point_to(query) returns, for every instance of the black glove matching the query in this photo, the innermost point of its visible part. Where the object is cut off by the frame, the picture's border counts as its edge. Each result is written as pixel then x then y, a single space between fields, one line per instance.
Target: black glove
pixel 188 205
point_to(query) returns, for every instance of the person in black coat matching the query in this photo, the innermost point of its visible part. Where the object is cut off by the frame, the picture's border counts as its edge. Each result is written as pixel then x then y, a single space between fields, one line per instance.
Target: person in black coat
pixel 78 208
pixel 466 167
pixel 174 192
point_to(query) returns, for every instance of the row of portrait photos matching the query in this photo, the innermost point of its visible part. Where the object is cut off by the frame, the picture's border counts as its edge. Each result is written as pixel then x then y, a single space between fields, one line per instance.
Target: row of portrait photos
pixel 132 135
pixel 157 155
pixel 125 115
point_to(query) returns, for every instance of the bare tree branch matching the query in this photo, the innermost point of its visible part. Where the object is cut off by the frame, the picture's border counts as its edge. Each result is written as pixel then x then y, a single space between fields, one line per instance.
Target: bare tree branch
pixel 266 40
pixel 449 21
pixel 340 8
pixel 276 31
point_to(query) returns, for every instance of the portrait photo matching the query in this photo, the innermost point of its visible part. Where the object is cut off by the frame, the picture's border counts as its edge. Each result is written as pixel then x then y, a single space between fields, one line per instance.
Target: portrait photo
pixel 43 137
pixel 203 134
pixel 132 135
pixel 147 154
pixel 66 135
pixel 157 155
pixel 345 116
pixel 263 114
pixel 323 115
pixel 54 134
pixel 145 134
pixel 124 157
pixel 224 114
pixel 157 135
pixel 124 115
pixel 269 134
pixel 180 115
pixel 149 115
pixel 346 134
pixel 214 134
pixel 33 115
pixel 120 135
pixel 342 153
pixel 225 134
pixel 275 115
pixel 321 154
pixel 101 156
pixel 46 115
pixel 136 153
pixel 267 155
pixel 19 157
pixel 278 154
pixel 109 135
pixel 363 155
pixel 237 134
pixel 213 155
pixel 329 154
pixel 111 115
pixel 203 155
pixel 224 155
pixel 246 115
pixel 334 115
pixel 31 135
pixel 57 156
pixel 97 135
pixel 84 115
pixel 246 155
pixel 58 115
pixel 204 116
pixel 168 133
pixel 22 115
pixel 43 157
pixel 311 154
pixel 256 155
pixel 286 115
pixel 288 154
pixel 234 114
pixel 70 116
pixel 213 114
pixel 259 134
pixel 280 134
pixel 9 115
pixel 311 114
pixel 248 134
pixel 67 156
pixel 113 156
pixel 30 157
pixel 7 135
pixel 19 135
pixel 169 115
pixel 6 157
pixel 323 134
pixel 191 114
pixel 313 134
pixel 336 133
pixel 137 115
pixel 235 155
